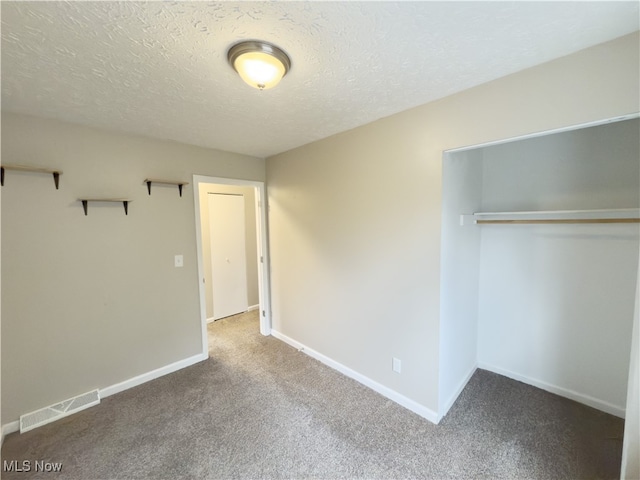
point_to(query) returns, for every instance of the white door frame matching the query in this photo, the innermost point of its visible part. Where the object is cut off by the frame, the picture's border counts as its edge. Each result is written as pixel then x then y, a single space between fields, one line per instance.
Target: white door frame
pixel 264 290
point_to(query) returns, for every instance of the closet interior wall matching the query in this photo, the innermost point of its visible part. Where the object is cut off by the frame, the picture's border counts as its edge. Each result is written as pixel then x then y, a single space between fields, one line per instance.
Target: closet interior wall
pixel 551 305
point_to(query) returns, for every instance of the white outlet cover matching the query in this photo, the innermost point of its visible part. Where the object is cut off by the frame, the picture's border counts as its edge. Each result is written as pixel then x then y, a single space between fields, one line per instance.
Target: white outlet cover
pixel 397 365
pixel 178 261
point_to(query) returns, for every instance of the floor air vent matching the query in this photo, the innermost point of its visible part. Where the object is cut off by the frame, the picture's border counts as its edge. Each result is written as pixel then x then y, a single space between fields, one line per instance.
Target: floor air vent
pixel 32 420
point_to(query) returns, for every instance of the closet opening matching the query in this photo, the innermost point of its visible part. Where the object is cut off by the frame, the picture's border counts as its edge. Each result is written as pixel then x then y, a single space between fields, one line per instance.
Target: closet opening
pixel 540 247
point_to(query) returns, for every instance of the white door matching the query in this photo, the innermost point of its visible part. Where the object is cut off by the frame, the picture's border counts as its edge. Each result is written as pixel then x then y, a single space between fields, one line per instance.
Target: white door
pixel 228 254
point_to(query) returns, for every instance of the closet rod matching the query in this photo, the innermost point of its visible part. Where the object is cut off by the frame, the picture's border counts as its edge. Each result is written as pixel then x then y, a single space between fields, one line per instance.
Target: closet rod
pixel 554 212
pixel 560 220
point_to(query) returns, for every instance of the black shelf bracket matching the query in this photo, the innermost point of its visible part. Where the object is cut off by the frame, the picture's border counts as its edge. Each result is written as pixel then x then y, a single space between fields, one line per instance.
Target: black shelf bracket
pixel 149 181
pixel 85 203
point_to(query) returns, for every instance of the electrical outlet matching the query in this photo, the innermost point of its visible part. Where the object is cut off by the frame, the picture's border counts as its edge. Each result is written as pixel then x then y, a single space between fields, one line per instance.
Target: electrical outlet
pixel 178 261
pixel 396 365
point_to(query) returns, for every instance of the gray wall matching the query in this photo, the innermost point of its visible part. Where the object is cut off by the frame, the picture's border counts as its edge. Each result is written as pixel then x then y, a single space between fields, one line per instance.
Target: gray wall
pixel 91 301
pixel 355 219
pixel 250 240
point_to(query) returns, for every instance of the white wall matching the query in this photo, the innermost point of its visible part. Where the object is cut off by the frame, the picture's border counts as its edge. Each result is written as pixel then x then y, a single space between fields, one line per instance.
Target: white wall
pixel 1 429
pixel 459 267
pixel 556 301
pixel 631 448
pixel 355 219
pixel 90 301
pixel 250 240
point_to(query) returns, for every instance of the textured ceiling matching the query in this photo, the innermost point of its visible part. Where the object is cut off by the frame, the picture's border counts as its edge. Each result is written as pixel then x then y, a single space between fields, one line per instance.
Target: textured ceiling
pixel 159 68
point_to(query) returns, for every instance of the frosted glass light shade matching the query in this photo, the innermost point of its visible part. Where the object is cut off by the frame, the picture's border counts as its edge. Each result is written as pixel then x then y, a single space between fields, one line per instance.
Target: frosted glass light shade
pixel 260 65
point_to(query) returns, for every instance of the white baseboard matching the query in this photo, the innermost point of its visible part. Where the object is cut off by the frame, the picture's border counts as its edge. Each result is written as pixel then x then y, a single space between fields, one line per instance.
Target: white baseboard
pixel 452 399
pixel 563 392
pixel 127 384
pixel 10 427
pixel 152 375
pixel 249 309
pixel 400 399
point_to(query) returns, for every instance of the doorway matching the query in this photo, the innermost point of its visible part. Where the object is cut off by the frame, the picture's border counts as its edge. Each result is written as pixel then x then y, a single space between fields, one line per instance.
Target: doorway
pixel 229 216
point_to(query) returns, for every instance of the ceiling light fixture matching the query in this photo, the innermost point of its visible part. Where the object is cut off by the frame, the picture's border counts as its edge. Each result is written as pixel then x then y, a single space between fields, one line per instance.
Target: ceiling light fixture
pixel 259 64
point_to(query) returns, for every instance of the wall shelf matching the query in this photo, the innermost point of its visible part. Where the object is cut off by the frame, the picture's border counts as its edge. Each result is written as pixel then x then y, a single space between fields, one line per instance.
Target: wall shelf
pixel 23 168
pixel 602 216
pixel 124 201
pixel 149 181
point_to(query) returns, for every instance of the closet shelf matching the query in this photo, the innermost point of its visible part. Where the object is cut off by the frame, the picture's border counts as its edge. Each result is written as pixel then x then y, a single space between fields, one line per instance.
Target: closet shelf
pixel 23 168
pixel 587 216
pixel 180 184
pixel 124 201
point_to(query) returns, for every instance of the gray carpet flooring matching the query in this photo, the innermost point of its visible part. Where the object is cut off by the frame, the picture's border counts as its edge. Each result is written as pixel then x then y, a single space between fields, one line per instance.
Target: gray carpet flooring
pixel 260 409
